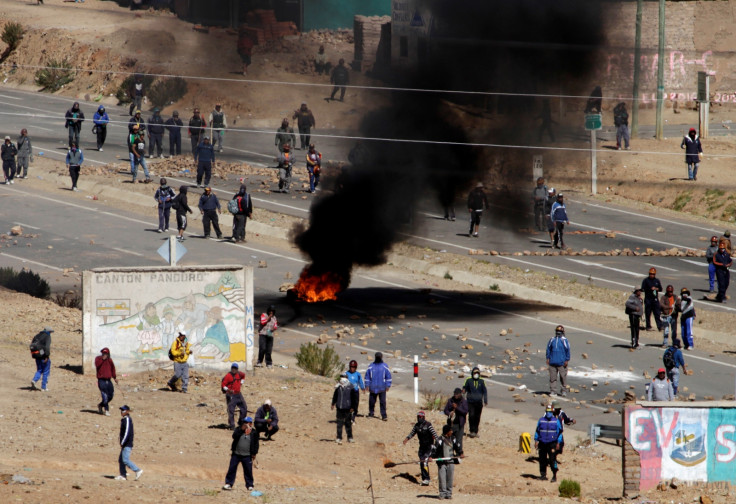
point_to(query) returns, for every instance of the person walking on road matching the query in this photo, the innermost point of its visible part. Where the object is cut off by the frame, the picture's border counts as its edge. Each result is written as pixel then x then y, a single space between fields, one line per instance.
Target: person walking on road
pixel 722 262
pixel 558 215
pixel 101 120
pixel 378 382
pixel 343 400
pixel 651 287
pixel 314 167
pixel 232 384
pixel 709 254
pixel 268 327
pixel 668 302
pixel 456 410
pixel 243 451
pixel 204 156
pixel 209 207
pixel 8 153
pixel 74 119
pixel 477 396
pixel 245 212
pixel 539 197
pixel 218 125
pixel 673 360
pixel 284 135
pixel 181 206
pixel 105 374
pixel 41 352
pixel 686 309
pixel 446 451
pixel 74 160
pixel 564 420
pixel 693 153
pixel 357 380
pixel 180 350
pixel 25 154
pixel 547 439
pixel 174 125
pixel 126 446
pixel 164 197
pixel 477 201
pixel 661 388
pixel 305 122
pixel 340 78
pixel 267 420
pixel 635 310
pixel 286 165
pixel 426 435
pixel 558 357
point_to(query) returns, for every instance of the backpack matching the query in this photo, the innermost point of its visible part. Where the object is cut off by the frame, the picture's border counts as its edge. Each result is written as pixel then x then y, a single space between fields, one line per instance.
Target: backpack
pixel 171 355
pixel 343 398
pixel 668 359
pixel 36 346
pixel 233 206
pixel 175 202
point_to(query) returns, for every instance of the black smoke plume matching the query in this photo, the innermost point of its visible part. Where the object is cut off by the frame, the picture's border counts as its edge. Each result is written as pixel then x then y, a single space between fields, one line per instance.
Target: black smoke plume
pixel 519 46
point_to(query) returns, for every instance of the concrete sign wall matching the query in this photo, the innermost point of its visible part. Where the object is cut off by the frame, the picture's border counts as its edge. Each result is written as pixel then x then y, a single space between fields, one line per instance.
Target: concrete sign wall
pixel 137 313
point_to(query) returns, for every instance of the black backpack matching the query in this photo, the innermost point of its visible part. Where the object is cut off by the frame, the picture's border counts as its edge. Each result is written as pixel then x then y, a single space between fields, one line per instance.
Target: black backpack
pixel 175 202
pixel 344 401
pixel 668 359
pixel 36 346
pixel 171 355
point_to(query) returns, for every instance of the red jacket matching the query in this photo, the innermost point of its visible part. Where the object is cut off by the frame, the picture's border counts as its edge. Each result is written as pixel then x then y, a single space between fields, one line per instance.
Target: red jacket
pixel 232 382
pixel 105 368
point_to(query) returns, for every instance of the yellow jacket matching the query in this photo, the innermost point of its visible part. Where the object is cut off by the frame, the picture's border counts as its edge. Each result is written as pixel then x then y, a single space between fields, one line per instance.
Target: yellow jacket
pixel 181 351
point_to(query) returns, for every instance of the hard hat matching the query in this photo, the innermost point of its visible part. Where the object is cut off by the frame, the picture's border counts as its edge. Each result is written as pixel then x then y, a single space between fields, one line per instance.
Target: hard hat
pixel 652 271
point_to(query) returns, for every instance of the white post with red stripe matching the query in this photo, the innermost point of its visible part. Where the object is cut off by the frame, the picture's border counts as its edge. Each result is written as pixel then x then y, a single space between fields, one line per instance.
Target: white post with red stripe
pixel 416 379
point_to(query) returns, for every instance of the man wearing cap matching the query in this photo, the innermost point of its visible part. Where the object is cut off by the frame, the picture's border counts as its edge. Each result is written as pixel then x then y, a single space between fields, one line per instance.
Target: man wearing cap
pixel 156 128
pixel 456 410
pixel 710 252
pixel 218 125
pixel 305 122
pixel 343 399
pixel 651 287
pixel 686 308
pixel 137 120
pixel 231 387
pixel 661 388
pixel 174 126
pixel 551 199
pixel 722 262
pixel 558 356
pixel 267 419
pixel 547 439
pixel 41 352
pixel 377 382
pixel 100 120
pixel 446 451
pixel 669 316
pixel 477 201
pixel 635 309
pixel 564 420
pixel 197 126
pixel 105 374
pixel 243 451
pixel 477 396
pixel 558 215
pixel 539 196
pixel 180 350
pixel 425 433
pixel 25 154
pixel 126 445
pixel 8 153
pixel 204 156
pixel 693 153
pixel 209 207
pixel 673 360
pixel 164 196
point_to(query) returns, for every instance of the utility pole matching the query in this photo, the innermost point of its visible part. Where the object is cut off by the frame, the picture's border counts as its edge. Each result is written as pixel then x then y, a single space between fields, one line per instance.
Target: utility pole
pixel 660 74
pixel 637 71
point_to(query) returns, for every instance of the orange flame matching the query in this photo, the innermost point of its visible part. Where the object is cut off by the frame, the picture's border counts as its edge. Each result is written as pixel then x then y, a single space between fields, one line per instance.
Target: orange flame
pixel 315 288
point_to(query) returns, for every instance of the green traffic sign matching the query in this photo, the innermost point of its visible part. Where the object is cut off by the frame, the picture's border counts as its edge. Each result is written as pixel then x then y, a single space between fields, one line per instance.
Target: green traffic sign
pixel 593 122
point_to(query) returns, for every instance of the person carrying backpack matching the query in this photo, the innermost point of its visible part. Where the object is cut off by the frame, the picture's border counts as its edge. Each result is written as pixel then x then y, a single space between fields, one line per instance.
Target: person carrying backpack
pixel 673 360
pixel 41 352
pixel 164 197
pixel 343 399
pixel 241 206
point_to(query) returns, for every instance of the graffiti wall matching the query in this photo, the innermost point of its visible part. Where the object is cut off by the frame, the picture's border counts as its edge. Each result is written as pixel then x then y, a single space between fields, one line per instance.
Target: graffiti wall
pixel 691 444
pixel 137 313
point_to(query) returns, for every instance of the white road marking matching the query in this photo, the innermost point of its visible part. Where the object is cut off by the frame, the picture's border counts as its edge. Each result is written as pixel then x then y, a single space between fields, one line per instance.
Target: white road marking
pixel 250 152
pixel 639 214
pixel 33 126
pixel 10 97
pixel 127 251
pixel 636 237
pixel 661 267
pixel 23 259
pixel 697 263
pixel 26 225
pixel 588 263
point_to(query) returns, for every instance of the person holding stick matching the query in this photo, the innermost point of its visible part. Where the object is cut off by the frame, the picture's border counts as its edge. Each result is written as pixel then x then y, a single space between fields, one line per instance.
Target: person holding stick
pixel 425 433
pixel 446 452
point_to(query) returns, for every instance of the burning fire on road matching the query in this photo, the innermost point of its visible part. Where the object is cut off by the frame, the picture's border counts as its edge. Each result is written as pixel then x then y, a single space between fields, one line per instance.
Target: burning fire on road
pixel 314 287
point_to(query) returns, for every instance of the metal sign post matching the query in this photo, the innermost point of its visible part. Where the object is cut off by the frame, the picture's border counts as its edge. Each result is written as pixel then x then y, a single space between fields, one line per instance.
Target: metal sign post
pixel 593 122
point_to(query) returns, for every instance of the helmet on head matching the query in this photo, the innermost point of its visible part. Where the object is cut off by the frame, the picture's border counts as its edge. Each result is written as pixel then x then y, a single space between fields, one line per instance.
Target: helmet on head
pixel 353 363
pixel 684 291
pixel 652 271
pixel 560 329
pixel 713 239
pixel 420 414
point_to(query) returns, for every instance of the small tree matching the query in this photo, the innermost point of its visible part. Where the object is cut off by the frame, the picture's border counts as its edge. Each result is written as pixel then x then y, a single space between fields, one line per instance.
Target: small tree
pixel 12 35
pixel 319 361
pixel 569 488
pixel 167 91
pixel 56 74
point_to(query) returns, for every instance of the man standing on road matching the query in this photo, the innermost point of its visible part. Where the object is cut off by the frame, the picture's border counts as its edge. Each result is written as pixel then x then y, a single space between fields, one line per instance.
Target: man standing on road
pixel 204 156
pixel 156 129
pixel 686 309
pixel 547 439
pixel 8 153
pixel 343 400
pixel 105 374
pixel 243 451
pixel 378 382
pixel 660 389
pixel 284 135
pixel 709 254
pixel 231 387
pixel 74 119
pixel 25 154
pixel 267 420
pixel 181 205
pixel 180 350
pixel 305 122
pixel 477 395
pixel 218 125
pixel 245 212
pixel 340 78
pixel 137 148
pixel 558 215
pixel 174 125
pixel 673 360
pixel 209 207
pixel 693 153
pixel 456 410
pixel 539 196
pixel 425 433
pixel 286 165
pixel 164 197
pixel 621 121
pixel 635 309
pixel 41 352
pixel 126 446
pixel 722 262
pixel 197 126
pixel 668 303
pixel 74 160
pixel 558 356
pixel 477 201
pixel 101 119
pixel 446 451
pixel 651 286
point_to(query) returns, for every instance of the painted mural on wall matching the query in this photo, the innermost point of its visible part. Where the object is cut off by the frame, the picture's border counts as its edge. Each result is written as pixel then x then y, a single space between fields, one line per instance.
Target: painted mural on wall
pixel 149 309
pixel 690 444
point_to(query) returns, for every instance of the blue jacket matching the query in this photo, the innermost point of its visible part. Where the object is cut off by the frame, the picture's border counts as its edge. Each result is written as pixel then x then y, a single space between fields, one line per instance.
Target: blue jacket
pixel 208 202
pixel 377 377
pixel 558 213
pixel 101 119
pixel 356 380
pixel 558 350
pixel 74 158
pixel 204 153
pixel 549 429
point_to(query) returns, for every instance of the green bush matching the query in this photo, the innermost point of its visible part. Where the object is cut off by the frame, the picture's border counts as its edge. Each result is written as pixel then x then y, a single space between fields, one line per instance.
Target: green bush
pixel 12 35
pixel 25 281
pixel 319 361
pixel 569 488
pixel 57 74
pixel 68 301
pixel 122 93
pixel 167 91
pixel 432 400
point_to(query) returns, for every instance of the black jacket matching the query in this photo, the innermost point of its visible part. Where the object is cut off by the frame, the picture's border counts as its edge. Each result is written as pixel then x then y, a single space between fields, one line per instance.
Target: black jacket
pixel 181 199
pixel 126 432
pixel 156 124
pixel 646 286
pixel 174 126
pixel 246 205
pixel 8 151
pixel 425 433
pixel 437 451
pixel 253 441
pixel 42 343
